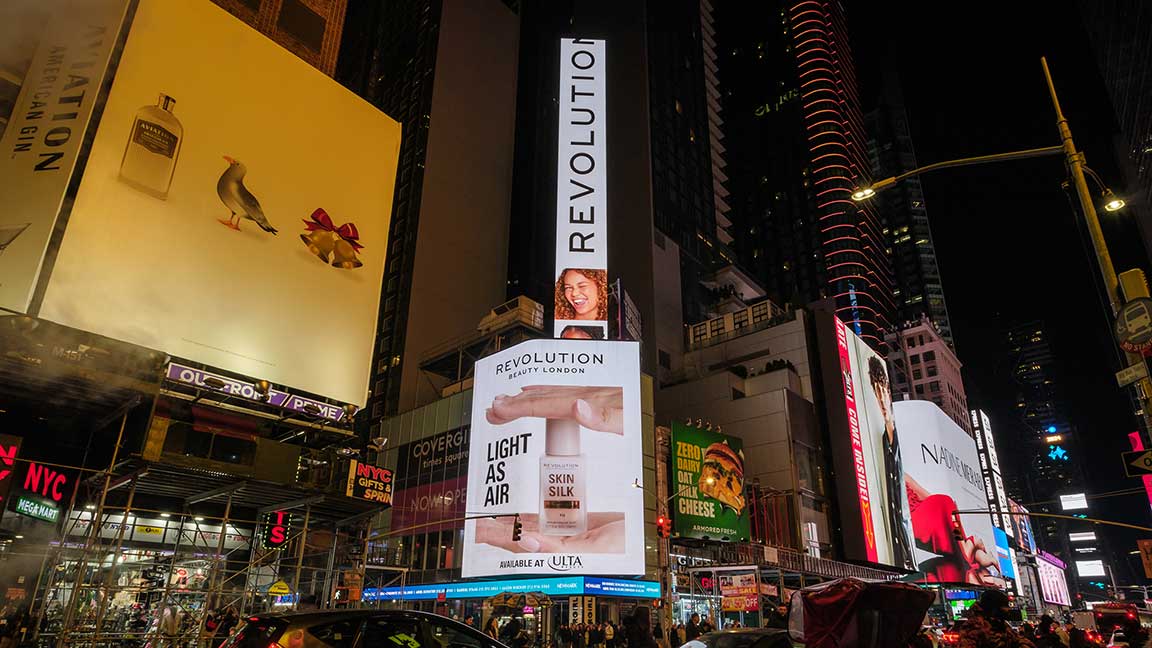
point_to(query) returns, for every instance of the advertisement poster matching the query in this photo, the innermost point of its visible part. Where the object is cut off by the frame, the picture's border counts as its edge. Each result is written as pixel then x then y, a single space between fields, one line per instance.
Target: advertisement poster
pixel 1004 554
pixel 56 53
pixel 581 300
pixel 368 482
pixel 876 452
pixel 1022 525
pixel 555 440
pixel 942 475
pixel 1053 584
pixel 225 210
pixel 739 593
pixel 708 484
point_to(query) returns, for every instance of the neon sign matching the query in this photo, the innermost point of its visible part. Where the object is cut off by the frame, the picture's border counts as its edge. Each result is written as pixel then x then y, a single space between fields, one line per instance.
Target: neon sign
pixel 274 531
pixel 1057 453
pixel 45 481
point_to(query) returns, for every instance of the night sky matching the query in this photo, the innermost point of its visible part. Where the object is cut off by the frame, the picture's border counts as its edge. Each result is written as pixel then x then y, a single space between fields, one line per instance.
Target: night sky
pixel 1009 245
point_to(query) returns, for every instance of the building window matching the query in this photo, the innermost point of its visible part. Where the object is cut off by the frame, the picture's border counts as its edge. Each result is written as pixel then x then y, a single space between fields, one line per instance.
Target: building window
pixel 915 359
pixel 916 375
pixel 740 319
pixel 699 332
pixel 929 355
pixel 760 312
pixel 919 390
pixel 716 326
pixel 931 370
pixel 934 386
pixel 665 359
pixel 911 343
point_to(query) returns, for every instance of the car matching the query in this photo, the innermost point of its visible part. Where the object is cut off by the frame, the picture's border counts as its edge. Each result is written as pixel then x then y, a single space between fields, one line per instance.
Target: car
pixel 743 638
pixel 356 629
pixel 1118 640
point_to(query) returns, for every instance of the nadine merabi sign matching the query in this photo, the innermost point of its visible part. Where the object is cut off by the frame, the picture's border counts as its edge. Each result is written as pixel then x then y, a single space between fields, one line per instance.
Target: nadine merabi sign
pixel 581 299
pixel 368 482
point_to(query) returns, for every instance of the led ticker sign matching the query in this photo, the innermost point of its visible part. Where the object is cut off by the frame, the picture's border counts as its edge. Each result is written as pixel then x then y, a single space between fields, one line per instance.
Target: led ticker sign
pixel 274 531
pixel 368 482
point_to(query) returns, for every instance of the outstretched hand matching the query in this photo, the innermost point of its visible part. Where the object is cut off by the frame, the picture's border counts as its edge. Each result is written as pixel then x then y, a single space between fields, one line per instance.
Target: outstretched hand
pixel 596 408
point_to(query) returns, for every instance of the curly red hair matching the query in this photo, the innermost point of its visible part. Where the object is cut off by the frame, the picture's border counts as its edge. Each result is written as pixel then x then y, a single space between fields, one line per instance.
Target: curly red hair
pixel 564 310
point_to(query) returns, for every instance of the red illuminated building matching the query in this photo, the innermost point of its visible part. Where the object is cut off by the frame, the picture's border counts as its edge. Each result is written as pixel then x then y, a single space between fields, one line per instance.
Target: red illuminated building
pixel 796 148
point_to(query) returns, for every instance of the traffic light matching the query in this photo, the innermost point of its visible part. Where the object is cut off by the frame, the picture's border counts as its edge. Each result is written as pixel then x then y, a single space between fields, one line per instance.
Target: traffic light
pixel 663 527
pixel 517 529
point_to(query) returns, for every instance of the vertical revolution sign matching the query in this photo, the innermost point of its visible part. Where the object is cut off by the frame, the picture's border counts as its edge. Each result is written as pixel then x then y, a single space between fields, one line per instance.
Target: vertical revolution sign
pixel 581 300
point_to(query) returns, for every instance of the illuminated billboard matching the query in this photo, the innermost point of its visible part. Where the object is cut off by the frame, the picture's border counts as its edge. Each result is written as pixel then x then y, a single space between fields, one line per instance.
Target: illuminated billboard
pixel 990 466
pixel 56 53
pixel 866 453
pixel 1022 525
pixel 1053 585
pixel 581 299
pixel 248 235
pixel 1090 568
pixel 708 484
pixel 1074 502
pixel 556 446
pixel 942 475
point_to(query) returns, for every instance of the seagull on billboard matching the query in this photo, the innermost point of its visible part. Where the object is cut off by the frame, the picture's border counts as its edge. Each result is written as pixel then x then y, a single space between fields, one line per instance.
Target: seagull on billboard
pixel 236 197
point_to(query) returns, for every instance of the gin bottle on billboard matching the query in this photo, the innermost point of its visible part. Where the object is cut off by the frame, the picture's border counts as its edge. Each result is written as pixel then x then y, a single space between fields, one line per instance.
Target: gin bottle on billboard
pixel 152 150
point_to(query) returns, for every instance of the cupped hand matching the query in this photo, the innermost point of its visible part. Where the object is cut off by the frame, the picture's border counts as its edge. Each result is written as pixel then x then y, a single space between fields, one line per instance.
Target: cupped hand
pixel 605 534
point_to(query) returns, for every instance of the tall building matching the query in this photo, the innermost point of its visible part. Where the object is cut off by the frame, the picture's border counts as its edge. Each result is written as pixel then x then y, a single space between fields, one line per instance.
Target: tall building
pixel 918 288
pixel 924 367
pixel 1120 32
pixel 796 149
pixel 447 72
pixel 310 29
pixel 1039 441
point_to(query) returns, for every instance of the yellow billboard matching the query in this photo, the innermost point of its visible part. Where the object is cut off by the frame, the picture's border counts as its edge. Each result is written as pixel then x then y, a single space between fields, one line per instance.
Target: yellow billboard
pixel 234 208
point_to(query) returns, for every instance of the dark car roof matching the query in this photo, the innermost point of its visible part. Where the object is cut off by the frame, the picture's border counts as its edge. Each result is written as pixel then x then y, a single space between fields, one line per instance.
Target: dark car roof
pixel 764 631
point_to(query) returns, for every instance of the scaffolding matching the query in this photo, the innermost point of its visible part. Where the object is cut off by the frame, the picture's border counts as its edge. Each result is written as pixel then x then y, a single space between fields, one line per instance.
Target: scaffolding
pixel 147 573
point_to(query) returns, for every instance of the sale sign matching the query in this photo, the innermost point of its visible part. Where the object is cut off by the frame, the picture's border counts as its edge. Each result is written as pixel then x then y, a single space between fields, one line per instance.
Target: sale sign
pixel 739 593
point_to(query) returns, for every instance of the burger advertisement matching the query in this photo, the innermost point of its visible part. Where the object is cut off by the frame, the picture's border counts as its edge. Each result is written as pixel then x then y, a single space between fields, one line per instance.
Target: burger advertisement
pixel 708 483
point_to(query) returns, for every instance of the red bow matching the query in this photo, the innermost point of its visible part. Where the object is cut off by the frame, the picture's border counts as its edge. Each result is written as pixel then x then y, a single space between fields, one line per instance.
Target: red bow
pixel 347 231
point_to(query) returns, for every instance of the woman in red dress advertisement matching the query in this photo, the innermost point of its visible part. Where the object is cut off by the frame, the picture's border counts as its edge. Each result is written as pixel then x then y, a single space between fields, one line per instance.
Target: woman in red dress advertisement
pixel 961 558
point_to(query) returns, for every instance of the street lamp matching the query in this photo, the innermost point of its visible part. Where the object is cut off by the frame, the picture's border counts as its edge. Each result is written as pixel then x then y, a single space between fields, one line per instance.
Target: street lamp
pixel 1074 160
pixel 708 480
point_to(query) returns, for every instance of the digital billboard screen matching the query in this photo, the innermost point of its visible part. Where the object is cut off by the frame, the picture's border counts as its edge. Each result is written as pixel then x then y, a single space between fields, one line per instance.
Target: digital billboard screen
pixel 942 475
pixel 556 441
pixel 1022 524
pixel 581 300
pixel 202 220
pixel 866 453
pixel 708 484
pixel 1053 585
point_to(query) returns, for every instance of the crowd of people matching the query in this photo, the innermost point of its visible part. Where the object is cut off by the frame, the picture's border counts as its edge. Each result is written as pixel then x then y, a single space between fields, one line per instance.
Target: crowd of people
pixel 988 626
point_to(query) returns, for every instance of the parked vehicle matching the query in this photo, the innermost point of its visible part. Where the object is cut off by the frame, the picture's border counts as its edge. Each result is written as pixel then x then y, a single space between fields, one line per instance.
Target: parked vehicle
pixel 357 629
pixel 743 638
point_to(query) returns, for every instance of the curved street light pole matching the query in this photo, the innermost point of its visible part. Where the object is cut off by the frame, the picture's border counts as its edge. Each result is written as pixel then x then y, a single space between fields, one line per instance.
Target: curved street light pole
pixel 1075 161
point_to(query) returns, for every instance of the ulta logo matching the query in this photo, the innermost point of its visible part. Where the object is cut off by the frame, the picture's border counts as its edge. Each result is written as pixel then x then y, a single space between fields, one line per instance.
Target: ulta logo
pixel 564 563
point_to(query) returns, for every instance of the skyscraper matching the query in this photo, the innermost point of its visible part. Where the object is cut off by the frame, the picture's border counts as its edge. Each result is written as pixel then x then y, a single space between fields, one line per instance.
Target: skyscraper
pixel 796 150
pixel 1038 440
pixel 447 72
pixel 918 288
pixel 1121 35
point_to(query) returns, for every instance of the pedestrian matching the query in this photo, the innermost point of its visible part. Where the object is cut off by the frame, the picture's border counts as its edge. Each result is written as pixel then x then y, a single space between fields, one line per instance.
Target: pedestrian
pixel 692 630
pixel 226 622
pixel 658 633
pixel 638 629
pixel 987 625
pixel 492 628
pixel 610 635
pixel 1046 635
pixel 706 626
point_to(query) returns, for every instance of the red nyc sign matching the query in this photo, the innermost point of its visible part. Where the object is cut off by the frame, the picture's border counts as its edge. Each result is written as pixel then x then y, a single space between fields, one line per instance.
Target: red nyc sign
pixel 45 481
